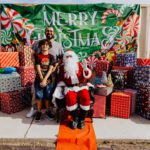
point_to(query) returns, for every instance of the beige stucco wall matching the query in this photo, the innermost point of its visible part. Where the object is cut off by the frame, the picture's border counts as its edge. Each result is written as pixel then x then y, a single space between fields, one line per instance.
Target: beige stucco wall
pixel 144 33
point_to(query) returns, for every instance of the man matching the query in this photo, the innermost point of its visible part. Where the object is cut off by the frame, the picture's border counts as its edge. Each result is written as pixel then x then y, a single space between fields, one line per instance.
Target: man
pixel 74 79
pixel 56 50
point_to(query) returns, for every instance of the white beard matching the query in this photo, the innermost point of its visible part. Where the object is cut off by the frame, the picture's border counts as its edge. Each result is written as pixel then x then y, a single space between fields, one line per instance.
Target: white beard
pixel 71 69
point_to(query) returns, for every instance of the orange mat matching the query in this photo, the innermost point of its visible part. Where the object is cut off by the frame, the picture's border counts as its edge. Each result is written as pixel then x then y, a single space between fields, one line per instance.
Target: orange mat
pixel 77 139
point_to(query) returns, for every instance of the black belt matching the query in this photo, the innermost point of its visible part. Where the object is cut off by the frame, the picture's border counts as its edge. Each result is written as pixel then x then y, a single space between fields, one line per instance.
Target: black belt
pixel 77 84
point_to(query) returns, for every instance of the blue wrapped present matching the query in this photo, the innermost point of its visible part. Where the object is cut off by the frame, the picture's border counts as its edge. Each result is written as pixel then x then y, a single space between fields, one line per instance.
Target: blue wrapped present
pixel 142 73
pixel 143 99
pixel 10 82
pixel 126 59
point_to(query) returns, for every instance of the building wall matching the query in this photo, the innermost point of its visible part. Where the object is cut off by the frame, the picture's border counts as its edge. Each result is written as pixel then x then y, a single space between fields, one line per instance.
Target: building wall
pixel 144 33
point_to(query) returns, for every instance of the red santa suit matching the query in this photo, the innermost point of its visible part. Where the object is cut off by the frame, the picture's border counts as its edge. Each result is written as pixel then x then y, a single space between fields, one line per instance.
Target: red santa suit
pixel 76 88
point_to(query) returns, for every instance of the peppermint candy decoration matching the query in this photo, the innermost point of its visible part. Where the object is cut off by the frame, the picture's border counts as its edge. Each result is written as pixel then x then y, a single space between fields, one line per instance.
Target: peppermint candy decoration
pixel 6 37
pixel 132 25
pixel 10 48
pixel 91 61
pixel 108 12
pixel 124 38
pixel 11 20
pixel 97 53
pixel 26 29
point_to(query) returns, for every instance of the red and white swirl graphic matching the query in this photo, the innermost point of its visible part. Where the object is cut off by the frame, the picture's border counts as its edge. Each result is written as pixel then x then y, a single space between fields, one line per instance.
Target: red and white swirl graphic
pixel 11 20
pixel 91 61
pixel 108 12
pixel 132 25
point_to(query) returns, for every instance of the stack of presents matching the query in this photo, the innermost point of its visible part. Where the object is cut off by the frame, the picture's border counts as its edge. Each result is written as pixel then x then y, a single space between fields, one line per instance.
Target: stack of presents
pixel 122 88
pixel 17 75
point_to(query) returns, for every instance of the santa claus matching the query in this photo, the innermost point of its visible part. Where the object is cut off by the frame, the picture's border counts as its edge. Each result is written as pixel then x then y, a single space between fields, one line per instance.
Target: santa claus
pixel 73 76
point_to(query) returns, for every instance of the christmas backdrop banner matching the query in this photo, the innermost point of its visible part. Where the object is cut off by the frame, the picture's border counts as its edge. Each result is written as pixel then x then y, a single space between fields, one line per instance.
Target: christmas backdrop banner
pixel 87 29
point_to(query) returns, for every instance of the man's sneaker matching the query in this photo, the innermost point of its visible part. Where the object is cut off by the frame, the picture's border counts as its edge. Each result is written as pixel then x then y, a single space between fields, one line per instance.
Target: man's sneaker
pixel 38 116
pixel 31 113
pixel 50 115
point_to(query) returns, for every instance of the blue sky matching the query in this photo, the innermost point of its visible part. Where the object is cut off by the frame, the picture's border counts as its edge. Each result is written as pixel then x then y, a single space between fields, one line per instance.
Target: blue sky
pixel 77 1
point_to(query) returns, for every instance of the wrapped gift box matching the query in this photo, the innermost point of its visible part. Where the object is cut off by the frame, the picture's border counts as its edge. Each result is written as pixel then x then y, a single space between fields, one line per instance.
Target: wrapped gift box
pixel 26 96
pixel 122 68
pixel 142 73
pixel 143 61
pixel 101 65
pixel 143 99
pixel 27 76
pixel 10 82
pixel 141 86
pixel 120 104
pixel 129 83
pixel 25 54
pixel 133 98
pixel 104 91
pixel 99 106
pixel 108 104
pixel 9 59
pixel 11 102
pixel 119 78
pixel 126 59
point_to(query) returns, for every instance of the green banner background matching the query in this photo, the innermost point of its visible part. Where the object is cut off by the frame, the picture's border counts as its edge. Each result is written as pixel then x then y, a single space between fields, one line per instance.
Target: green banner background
pixel 83 28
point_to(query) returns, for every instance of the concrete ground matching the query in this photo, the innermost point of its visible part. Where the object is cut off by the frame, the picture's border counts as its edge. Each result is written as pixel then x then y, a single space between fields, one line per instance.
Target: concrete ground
pixel 108 131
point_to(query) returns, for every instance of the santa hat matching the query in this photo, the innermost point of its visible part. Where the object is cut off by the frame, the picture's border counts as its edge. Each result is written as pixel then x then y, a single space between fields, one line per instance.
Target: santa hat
pixel 70 52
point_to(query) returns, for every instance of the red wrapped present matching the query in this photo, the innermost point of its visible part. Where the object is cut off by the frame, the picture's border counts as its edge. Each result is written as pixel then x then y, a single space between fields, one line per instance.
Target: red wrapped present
pixel 27 75
pixel 11 102
pixel 143 61
pixel 120 104
pixel 99 106
pixel 26 96
pixel 101 65
pixel 9 59
pixel 122 68
pixel 133 98
pixel 25 54
pixel 104 91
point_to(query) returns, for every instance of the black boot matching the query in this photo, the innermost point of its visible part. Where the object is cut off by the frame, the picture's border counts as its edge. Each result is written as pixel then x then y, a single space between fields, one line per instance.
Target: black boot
pixel 74 122
pixel 82 115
